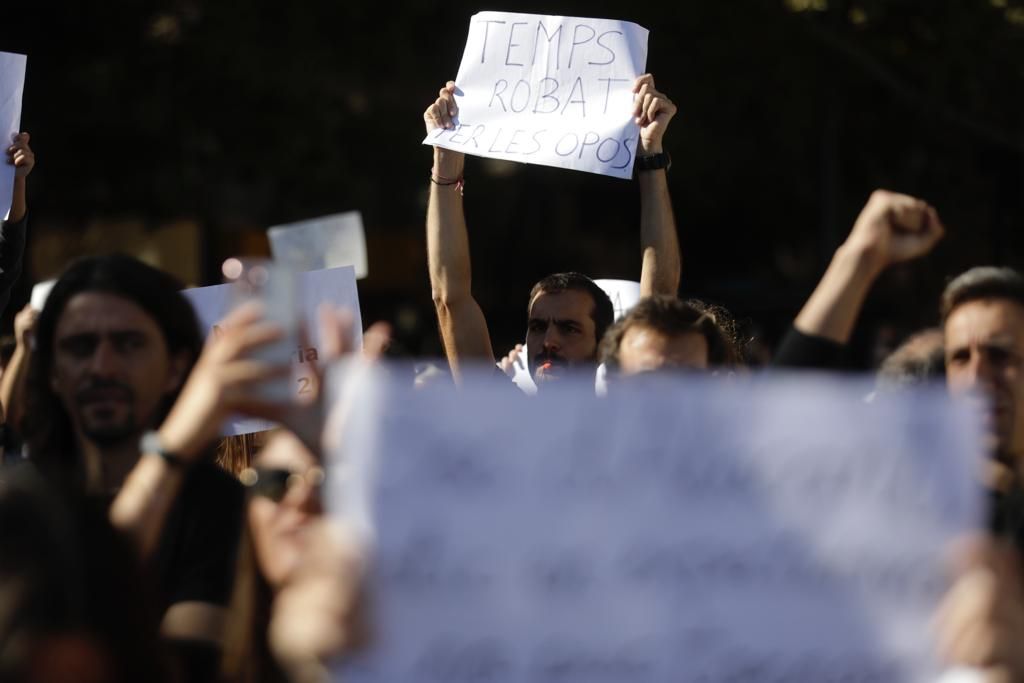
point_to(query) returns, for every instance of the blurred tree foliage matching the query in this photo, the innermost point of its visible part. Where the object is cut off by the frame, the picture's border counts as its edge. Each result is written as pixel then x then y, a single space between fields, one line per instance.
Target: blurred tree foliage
pixel 791 111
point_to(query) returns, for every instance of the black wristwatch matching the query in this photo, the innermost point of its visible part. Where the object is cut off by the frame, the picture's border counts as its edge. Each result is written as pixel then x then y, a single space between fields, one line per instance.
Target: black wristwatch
pixel 150 443
pixel 654 162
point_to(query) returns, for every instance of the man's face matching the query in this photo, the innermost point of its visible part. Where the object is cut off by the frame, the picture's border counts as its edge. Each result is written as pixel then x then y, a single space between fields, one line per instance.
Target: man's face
pixel 111 367
pixel 985 354
pixel 560 333
pixel 644 349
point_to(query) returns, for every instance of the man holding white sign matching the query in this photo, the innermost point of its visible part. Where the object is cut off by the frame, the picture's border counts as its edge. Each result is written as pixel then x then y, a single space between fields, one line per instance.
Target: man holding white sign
pixel 568 314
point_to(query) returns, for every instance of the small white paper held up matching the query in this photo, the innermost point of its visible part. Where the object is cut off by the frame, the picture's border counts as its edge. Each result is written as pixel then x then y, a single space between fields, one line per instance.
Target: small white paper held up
pixel 556 91
pixel 336 286
pixel 40 293
pixel 678 530
pixel 327 242
pixel 12 86
pixel 624 294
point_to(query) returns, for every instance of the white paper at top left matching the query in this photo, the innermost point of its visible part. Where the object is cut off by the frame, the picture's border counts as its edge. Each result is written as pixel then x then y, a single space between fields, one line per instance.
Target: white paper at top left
pixel 12 86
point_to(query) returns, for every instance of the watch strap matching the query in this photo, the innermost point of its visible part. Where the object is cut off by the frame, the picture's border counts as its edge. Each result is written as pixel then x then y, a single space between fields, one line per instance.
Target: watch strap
pixel 654 162
pixel 150 443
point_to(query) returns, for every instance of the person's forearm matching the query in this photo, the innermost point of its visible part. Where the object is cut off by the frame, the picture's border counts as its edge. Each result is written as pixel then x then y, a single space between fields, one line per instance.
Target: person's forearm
pixel 833 308
pixel 141 506
pixel 447 236
pixel 659 243
pixel 19 204
pixel 463 328
pixel 12 386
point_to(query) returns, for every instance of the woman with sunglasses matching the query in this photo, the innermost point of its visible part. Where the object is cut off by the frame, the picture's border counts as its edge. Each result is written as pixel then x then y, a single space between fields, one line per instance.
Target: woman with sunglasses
pixel 297 600
pixel 297 583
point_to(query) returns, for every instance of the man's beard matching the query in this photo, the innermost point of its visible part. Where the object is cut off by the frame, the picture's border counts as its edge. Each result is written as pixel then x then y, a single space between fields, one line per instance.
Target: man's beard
pixel 106 431
pixel 111 435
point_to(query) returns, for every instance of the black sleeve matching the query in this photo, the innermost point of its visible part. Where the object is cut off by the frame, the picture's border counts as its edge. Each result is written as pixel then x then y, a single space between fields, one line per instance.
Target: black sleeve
pixel 799 350
pixel 196 558
pixel 12 251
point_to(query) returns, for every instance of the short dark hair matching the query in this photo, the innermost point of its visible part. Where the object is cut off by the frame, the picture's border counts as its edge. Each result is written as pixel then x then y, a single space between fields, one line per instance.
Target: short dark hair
pixel 670 315
pixel 982 282
pixel 920 358
pixel 47 426
pixel 603 313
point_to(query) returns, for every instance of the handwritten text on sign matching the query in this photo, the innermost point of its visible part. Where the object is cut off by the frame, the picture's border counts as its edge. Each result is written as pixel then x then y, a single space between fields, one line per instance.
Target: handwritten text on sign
pixel 556 91
pixel 336 286
pixel 766 530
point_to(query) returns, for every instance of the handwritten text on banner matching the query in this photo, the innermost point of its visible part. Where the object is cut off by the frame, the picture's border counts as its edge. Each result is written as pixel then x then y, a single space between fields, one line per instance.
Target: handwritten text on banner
pixel 708 530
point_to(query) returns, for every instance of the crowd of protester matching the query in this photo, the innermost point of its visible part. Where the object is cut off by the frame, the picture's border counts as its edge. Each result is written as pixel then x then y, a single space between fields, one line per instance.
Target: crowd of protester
pixel 138 545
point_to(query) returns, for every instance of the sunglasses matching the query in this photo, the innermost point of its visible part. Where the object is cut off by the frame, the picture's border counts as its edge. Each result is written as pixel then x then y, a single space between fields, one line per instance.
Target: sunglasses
pixel 274 483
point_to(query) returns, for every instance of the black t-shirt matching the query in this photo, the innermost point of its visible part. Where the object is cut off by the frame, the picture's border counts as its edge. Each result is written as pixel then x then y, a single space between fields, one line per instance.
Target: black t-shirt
pixel 195 560
pixel 803 351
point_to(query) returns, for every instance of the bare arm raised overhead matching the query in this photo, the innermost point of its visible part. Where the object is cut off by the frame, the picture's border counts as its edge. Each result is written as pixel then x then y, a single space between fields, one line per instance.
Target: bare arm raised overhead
pixel 659 242
pixel 891 228
pixel 463 327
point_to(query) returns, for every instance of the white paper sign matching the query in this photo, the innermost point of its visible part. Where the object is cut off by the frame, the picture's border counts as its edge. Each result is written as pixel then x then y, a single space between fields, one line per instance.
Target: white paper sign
pixel 336 286
pixel 327 242
pixel 685 531
pixel 12 86
pixel 40 293
pixel 624 294
pixel 549 90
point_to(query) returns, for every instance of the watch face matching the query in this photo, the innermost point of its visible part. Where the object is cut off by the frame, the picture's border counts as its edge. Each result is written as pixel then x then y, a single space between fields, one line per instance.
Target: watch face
pixel 149 443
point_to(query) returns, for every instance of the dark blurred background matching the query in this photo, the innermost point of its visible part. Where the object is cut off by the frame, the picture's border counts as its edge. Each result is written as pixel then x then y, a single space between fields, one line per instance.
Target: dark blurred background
pixel 180 129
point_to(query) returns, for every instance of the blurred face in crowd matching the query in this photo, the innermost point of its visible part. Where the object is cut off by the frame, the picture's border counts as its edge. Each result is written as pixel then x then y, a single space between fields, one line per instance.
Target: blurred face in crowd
pixel 284 504
pixel 111 367
pixel 645 349
pixel 560 333
pixel 71 658
pixel 984 342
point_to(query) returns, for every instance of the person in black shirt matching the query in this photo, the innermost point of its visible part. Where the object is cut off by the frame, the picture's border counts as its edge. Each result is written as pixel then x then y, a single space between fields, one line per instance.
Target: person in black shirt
pixel 115 343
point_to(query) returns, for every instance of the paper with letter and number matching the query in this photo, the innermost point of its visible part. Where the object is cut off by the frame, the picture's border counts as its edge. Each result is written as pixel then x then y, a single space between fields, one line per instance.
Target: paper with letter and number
pixel 336 286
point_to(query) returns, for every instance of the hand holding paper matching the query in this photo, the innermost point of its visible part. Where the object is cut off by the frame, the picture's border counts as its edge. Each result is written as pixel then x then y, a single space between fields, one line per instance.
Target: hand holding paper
pixel 20 156
pixel 653 110
pixel 442 113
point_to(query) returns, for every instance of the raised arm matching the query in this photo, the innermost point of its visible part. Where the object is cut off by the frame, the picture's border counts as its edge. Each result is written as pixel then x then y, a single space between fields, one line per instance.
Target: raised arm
pixel 659 243
pixel 463 327
pixel 12 232
pixel 891 228
pixel 13 381
pixel 20 155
